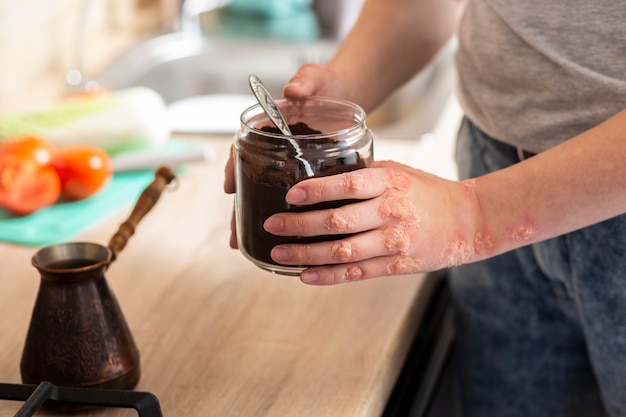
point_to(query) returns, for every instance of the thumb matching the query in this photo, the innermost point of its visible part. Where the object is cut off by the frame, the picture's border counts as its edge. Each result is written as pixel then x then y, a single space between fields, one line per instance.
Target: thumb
pixel 305 82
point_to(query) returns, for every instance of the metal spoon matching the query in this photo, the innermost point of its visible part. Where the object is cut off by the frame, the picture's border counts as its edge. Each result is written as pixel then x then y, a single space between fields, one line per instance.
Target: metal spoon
pixel 268 104
pixel 271 109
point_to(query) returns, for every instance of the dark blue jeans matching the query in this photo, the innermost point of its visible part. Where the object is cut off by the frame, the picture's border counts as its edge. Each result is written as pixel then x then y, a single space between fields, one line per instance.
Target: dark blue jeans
pixel 542 329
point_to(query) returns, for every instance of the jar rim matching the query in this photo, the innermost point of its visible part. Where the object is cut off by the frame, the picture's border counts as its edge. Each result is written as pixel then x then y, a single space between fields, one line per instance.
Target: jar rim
pixel 360 115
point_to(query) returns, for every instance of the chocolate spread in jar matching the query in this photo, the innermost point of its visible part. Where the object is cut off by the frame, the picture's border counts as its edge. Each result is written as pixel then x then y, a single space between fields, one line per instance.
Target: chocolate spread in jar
pixel 265 176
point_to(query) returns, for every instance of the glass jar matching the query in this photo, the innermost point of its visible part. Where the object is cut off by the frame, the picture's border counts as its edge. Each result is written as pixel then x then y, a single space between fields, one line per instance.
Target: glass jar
pixel 329 137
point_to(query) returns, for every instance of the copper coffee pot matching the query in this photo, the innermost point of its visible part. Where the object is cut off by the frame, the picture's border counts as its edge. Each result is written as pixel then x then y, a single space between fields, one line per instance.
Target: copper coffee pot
pixel 77 334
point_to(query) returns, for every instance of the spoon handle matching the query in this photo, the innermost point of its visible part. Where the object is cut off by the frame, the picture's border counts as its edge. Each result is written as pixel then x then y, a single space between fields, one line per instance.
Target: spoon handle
pixel 271 109
pixel 148 198
pixel 268 104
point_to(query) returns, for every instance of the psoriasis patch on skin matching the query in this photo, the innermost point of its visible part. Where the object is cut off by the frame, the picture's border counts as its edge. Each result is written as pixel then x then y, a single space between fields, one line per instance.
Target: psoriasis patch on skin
pixel 353 273
pixel 400 207
pixel 482 244
pixel 351 181
pixel 402 265
pixel 522 234
pixel 458 252
pixel 396 180
pixel 342 251
pixel 301 253
pixel 341 220
pixel 396 241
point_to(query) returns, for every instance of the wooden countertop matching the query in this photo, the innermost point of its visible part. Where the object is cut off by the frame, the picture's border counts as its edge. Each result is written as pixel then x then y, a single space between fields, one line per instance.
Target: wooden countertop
pixel 221 337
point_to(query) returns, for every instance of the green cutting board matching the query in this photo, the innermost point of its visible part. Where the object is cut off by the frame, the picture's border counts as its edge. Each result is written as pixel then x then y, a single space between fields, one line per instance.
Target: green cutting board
pixel 63 221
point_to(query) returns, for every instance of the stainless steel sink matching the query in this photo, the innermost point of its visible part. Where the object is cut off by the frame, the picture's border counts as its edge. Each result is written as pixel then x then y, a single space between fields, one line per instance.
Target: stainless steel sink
pixel 179 66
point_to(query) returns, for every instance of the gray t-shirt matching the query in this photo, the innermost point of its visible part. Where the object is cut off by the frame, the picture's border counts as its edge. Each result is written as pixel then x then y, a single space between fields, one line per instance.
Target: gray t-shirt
pixel 535 73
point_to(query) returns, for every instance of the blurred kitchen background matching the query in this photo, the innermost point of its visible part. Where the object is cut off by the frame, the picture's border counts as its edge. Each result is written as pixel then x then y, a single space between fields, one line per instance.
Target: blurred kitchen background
pixel 41 40
pixel 192 47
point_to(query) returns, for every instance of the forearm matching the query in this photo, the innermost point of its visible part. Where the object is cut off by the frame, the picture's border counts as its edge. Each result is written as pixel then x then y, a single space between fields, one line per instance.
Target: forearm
pixel 391 41
pixel 576 184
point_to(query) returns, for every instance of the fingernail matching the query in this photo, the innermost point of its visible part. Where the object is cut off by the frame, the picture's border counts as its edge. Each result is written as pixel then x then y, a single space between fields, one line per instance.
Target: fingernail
pixel 274 224
pixel 281 253
pixel 310 277
pixel 296 195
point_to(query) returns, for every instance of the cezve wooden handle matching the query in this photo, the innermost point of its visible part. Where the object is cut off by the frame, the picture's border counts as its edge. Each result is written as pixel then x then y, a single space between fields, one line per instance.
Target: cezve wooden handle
pixel 148 198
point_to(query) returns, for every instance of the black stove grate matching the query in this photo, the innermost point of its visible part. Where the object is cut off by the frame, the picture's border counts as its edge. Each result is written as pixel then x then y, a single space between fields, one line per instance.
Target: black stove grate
pixel 34 396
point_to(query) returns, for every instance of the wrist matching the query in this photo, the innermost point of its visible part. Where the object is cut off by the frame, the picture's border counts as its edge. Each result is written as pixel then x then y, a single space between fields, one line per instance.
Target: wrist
pixel 475 239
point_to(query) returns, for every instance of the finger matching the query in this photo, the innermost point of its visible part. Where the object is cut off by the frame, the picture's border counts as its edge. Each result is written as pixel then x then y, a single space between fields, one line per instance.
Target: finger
pixel 360 184
pixel 297 89
pixel 389 241
pixel 360 271
pixel 348 219
pixel 233 231
pixel 304 82
pixel 229 173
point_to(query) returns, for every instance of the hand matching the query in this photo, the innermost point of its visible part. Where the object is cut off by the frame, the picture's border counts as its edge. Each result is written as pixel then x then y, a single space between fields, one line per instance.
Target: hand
pixel 309 80
pixel 316 80
pixel 406 221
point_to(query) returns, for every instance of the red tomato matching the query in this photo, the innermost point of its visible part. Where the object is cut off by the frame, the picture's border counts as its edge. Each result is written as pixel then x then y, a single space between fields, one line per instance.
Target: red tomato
pixel 28 181
pixel 29 147
pixel 83 170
